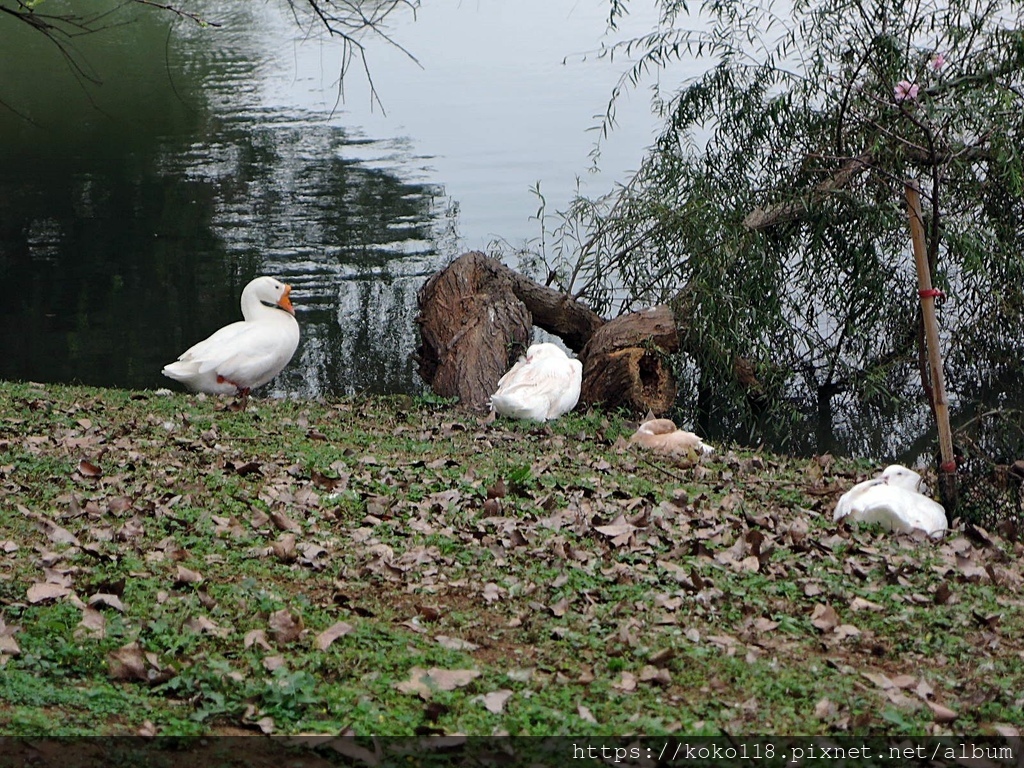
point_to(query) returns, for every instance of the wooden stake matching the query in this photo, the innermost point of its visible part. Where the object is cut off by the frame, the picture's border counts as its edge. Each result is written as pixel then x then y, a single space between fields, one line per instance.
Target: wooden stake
pixel 947 468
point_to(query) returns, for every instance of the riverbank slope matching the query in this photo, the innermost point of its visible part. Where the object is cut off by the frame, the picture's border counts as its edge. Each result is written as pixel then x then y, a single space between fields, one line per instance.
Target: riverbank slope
pixel 394 566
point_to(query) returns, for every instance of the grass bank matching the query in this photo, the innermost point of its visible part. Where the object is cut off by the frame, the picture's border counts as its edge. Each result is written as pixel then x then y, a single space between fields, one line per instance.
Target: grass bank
pixel 393 566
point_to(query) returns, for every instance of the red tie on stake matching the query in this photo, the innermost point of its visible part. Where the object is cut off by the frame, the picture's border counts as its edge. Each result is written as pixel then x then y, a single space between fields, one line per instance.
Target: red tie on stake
pixel 947 469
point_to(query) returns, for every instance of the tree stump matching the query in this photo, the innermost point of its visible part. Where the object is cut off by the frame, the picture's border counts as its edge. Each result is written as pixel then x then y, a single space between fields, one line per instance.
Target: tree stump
pixel 471 327
pixel 624 365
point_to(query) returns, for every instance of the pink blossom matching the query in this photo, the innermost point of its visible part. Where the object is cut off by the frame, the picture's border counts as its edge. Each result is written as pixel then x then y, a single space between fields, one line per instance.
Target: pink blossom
pixel 938 61
pixel 905 91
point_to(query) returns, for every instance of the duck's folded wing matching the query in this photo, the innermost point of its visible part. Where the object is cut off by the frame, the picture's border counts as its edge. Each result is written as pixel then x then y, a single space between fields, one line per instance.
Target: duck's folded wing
pixel 510 376
pixel 216 347
pixel 899 509
pixel 928 515
pixel 571 380
pixel 853 502
pixel 537 377
pixel 257 355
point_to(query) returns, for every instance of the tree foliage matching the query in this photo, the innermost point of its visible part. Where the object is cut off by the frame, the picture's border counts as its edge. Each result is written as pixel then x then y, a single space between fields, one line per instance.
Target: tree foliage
pixel 771 211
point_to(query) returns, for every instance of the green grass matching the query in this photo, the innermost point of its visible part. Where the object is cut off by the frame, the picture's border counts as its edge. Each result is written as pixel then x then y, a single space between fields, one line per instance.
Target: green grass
pixel 378 512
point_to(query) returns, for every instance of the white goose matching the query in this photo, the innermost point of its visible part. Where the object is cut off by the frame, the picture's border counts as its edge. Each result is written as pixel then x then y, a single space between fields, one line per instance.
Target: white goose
pixel 246 354
pixel 663 436
pixel 893 500
pixel 543 385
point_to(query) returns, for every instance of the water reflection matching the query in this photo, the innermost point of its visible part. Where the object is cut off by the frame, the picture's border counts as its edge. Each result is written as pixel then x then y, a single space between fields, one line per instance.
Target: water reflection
pixel 133 210
pixel 130 239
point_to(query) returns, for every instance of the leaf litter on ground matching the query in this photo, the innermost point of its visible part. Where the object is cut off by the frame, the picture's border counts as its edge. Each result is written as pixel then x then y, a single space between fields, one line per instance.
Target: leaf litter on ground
pixel 305 567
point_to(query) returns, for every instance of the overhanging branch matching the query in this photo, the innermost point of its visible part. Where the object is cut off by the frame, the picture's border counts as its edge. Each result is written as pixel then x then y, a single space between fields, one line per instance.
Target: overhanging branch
pixel 760 218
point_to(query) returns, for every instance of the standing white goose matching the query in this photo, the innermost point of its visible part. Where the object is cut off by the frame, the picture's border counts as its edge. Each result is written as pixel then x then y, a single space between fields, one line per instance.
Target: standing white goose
pixel 663 436
pixel 894 501
pixel 543 385
pixel 246 354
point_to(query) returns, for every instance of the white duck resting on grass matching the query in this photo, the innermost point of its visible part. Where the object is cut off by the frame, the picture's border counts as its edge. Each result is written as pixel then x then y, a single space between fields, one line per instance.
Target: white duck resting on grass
pixel 543 385
pixel 246 354
pixel 894 501
pixel 663 436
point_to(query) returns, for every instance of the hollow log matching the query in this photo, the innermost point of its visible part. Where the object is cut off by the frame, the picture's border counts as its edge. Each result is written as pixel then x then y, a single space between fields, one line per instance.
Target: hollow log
pixel 624 362
pixel 551 310
pixel 476 318
pixel 471 325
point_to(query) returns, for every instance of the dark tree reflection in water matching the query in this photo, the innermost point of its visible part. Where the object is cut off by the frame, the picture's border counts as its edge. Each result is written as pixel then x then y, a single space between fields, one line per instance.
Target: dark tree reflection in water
pixel 135 206
pixel 133 211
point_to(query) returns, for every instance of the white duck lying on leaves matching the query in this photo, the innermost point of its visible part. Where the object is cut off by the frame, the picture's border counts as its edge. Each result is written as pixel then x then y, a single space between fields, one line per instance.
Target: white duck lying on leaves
pixel 894 501
pixel 663 436
pixel 543 385
pixel 246 354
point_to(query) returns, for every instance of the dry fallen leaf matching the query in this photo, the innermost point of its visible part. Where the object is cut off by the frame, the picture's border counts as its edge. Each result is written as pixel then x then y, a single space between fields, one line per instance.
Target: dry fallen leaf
pixel 662 657
pixel 285 628
pixel 187 576
pixel 87 469
pixel 425 682
pixel 844 631
pixel 498 490
pixel 127 663
pixel 92 626
pixel 256 637
pixel 105 600
pixel 204 625
pixel 495 701
pixel 652 674
pixel 825 709
pixel 901 700
pixel 41 592
pixel 1006 730
pixel 940 713
pixel 626 683
pixel 8 645
pixel 860 604
pixel 284 548
pixel 332 633
pixel 147 730
pixel 54 532
pixel 558 609
pixel 492 592
pixel 270 663
pixel 924 690
pixel 284 523
pixel 904 681
pixel 247 468
pixel 455 643
pixel 615 529
pixel 880 680
pixel 824 617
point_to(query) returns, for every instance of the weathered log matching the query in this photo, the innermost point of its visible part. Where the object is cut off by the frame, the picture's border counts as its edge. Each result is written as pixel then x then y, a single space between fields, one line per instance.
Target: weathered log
pixel 476 318
pixel 624 365
pixel 551 310
pixel 471 325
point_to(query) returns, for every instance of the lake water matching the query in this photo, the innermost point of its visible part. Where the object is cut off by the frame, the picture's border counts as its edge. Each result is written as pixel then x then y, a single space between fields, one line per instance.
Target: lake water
pixel 147 178
pixel 150 173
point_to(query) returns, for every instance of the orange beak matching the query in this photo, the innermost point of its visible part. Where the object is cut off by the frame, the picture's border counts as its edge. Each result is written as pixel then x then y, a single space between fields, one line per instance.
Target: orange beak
pixel 286 303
